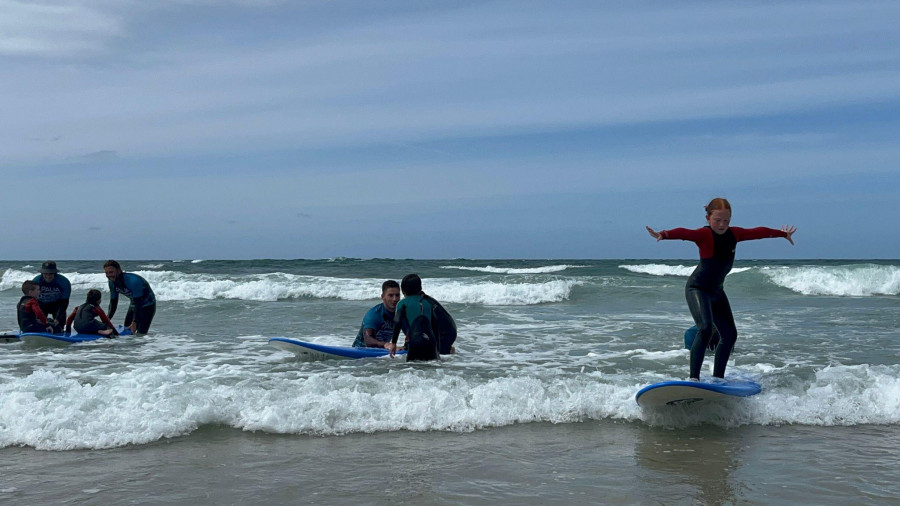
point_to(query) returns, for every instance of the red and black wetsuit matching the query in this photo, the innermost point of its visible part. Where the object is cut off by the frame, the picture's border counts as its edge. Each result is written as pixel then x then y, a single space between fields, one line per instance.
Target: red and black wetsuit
pixel 30 316
pixel 704 290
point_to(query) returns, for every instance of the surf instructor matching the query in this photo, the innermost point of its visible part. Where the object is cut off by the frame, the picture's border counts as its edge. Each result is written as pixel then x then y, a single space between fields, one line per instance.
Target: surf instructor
pixel 704 291
pixel 378 323
pixel 55 292
pixel 143 301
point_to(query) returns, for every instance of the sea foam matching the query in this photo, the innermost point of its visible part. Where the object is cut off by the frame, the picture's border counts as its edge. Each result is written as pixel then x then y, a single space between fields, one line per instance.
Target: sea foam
pixel 178 286
pixel 54 410
pixel 670 270
pixel 514 270
pixel 849 280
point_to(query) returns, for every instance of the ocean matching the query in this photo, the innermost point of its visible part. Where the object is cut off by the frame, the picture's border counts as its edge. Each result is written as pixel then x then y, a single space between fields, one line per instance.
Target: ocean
pixel 537 406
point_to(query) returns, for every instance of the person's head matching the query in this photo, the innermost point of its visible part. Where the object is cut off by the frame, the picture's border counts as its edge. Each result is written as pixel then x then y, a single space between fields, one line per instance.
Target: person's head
pixel 411 284
pixel 390 294
pixel 48 270
pixel 93 296
pixel 718 215
pixel 112 269
pixel 31 289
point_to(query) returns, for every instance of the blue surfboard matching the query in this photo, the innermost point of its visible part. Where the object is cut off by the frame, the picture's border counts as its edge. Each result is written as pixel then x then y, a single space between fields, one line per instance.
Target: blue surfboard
pixel 313 351
pixel 672 393
pixel 64 339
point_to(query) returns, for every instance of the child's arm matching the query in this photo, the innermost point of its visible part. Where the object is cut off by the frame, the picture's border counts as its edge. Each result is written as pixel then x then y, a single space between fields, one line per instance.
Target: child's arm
pixel 685 234
pixel 752 234
pixel 33 306
pixel 70 319
pixel 399 315
pixel 99 312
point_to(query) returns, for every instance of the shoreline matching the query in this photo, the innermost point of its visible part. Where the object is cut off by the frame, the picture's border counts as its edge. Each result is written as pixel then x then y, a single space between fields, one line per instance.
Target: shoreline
pixel 593 461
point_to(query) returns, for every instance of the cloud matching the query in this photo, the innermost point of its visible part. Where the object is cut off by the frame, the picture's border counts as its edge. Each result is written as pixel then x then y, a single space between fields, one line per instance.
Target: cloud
pixel 56 28
pixel 419 76
pixel 302 108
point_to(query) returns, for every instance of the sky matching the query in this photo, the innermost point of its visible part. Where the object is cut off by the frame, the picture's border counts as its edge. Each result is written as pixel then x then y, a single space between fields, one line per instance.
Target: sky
pixel 192 129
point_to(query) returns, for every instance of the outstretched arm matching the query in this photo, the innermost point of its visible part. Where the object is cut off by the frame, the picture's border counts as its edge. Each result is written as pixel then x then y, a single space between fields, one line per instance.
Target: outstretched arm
pixel 653 233
pixel 752 234
pixel 788 233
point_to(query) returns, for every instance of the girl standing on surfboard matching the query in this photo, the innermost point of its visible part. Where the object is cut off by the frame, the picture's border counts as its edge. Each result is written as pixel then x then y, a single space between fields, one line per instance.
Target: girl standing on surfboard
pixel 704 290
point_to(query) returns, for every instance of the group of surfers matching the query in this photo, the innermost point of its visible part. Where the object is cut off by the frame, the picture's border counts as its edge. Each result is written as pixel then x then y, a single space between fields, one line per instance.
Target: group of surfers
pixel 429 328
pixel 45 301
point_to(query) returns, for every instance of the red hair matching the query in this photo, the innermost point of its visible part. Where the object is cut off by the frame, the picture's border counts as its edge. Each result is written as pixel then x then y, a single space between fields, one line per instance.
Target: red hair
pixel 717 204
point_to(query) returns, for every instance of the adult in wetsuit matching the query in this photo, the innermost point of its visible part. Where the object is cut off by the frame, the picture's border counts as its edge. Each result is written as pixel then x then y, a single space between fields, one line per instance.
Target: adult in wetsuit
pixel 378 323
pixel 704 290
pixel 55 292
pixel 143 301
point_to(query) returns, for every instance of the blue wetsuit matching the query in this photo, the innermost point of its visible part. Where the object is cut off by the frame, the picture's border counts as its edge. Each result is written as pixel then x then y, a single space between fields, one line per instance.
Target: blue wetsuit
pixel 54 297
pixel 143 301
pixel 381 321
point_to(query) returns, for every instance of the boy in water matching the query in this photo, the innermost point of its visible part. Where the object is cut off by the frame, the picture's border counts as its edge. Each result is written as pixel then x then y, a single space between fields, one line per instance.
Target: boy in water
pixel 28 310
pixel 416 315
pixel 85 316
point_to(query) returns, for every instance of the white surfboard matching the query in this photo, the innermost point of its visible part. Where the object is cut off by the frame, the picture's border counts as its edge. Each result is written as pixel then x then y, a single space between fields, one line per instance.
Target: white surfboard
pixel 673 393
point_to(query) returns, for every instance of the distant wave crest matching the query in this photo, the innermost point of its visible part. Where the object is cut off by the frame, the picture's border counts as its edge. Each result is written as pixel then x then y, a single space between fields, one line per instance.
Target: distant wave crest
pixel 850 280
pixel 660 269
pixel 670 270
pixel 171 285
pixel 513 270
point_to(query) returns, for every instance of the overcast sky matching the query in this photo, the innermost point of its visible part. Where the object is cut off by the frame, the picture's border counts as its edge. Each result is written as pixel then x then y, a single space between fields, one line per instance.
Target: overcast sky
pixel 440 129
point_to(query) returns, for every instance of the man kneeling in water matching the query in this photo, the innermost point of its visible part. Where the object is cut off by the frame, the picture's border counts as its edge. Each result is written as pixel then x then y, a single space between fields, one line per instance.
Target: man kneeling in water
pixel 378 323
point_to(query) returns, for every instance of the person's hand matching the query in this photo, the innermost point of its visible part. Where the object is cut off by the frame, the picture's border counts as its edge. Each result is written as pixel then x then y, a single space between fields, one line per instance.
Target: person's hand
pixel 653 233
pixel 50 329
pixel 133 327
pixel 391 347
pixel 789 231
